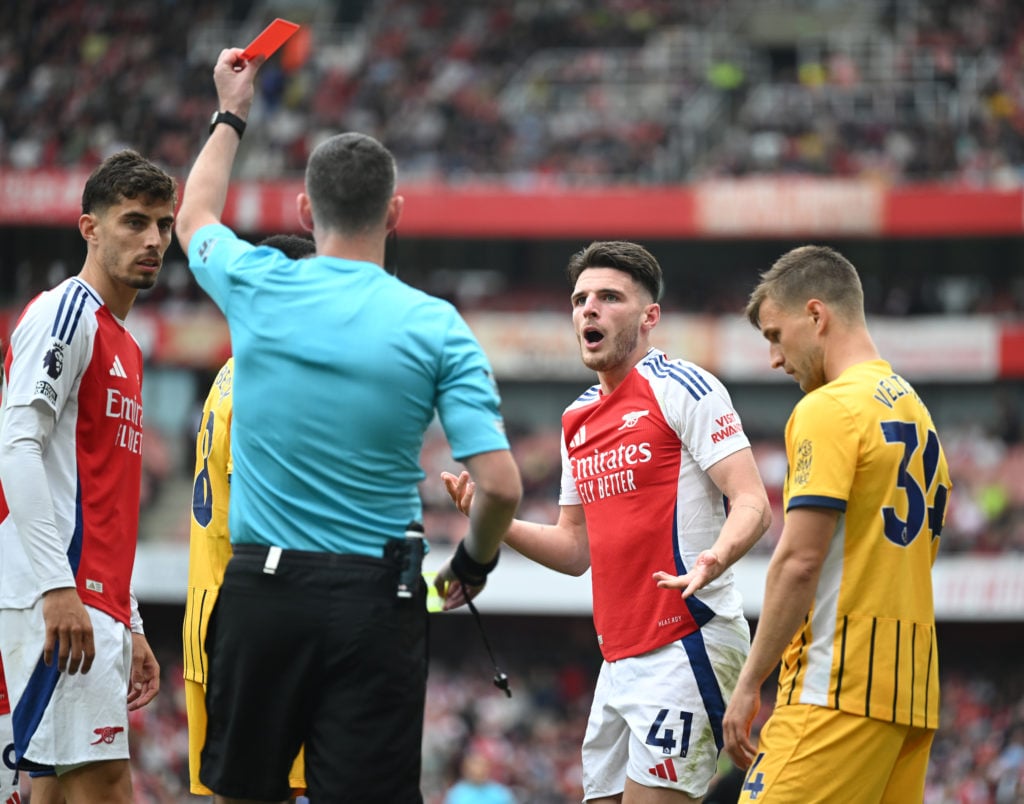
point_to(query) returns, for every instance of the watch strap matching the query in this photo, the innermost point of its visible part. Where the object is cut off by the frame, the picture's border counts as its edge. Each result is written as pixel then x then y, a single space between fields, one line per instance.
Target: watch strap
pixel 233 120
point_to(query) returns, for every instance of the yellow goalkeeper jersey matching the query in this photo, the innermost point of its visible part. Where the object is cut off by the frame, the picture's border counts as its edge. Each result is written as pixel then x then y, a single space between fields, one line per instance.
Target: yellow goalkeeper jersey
pixel 865 445
pixel 209 541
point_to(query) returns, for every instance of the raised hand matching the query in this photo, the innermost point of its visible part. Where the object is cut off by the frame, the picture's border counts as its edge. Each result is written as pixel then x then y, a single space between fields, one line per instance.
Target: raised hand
pixel 460 489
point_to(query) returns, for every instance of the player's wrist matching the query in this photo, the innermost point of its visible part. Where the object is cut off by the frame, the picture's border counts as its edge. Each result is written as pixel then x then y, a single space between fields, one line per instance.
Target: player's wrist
pixel 235 121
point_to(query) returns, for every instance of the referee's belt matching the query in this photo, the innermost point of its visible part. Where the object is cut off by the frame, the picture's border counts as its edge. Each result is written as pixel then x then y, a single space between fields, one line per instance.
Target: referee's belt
pixel 273 556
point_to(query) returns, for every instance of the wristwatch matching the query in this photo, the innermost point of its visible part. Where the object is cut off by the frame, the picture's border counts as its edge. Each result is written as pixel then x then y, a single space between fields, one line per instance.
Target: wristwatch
pixel 233 120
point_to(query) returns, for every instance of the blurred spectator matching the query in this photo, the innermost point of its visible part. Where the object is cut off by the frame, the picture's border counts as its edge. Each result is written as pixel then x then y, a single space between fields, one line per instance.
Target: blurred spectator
pixel 573 92
pixel 476 785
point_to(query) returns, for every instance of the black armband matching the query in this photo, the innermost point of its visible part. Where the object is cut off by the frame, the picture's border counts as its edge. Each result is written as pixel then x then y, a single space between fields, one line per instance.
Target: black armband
pixel 468 570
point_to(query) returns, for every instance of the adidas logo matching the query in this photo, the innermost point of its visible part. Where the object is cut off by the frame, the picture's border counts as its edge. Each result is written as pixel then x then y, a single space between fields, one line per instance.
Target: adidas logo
pixel 117 370
pixel 664 770
pixel 631 418
pixel 579 438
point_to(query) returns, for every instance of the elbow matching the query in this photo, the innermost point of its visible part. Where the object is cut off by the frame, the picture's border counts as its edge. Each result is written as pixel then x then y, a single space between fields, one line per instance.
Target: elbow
pixel 510 489
pixel 503 494
pixel 502 486
pixel 496 475
pixel 749 504
pixel 184 228
pixel 578 567
pixel 766 518
pixel 191 217
pixel 800 572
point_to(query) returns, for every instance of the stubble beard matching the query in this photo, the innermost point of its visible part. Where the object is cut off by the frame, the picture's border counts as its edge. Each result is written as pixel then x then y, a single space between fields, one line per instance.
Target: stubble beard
pixel 128 276
pixel 622 346
pixel 812 373
pixel 142 281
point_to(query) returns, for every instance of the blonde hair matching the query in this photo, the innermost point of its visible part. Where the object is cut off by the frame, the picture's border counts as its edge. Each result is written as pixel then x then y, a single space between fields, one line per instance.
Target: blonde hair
pixel 810 272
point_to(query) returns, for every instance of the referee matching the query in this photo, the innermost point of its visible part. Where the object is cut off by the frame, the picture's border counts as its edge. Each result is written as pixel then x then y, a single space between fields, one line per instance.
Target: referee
pixel 339 370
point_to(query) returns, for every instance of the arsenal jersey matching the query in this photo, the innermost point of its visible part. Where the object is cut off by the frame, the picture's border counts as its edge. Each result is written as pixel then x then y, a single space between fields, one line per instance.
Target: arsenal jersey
pixel 70 353
pixel 636 460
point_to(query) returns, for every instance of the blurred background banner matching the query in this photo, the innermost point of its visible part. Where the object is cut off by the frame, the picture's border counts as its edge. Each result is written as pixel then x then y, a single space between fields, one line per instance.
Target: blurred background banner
pixel 751 207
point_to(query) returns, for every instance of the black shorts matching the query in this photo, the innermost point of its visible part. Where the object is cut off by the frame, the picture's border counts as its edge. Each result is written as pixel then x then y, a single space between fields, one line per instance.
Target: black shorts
pixel 321 652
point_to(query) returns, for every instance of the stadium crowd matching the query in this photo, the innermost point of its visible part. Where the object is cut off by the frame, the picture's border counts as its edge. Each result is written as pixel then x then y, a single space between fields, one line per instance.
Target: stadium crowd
pixel 574 92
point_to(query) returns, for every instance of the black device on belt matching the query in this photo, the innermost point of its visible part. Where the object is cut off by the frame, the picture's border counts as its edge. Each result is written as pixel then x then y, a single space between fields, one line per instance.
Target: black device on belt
pixel 408 554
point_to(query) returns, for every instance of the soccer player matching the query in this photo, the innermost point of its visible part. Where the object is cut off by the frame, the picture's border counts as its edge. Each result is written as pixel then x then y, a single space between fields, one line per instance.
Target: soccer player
pixel 210 545
pixel 339 370
pixel 70 476
pixel 656 472
pixel 848 597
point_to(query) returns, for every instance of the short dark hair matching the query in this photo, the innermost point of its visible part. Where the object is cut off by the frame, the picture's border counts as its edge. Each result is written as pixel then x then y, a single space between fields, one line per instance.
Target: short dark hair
pixel 127 174
pixel 621 255
pixel 294 247
pixel 809 272
pixel 350 179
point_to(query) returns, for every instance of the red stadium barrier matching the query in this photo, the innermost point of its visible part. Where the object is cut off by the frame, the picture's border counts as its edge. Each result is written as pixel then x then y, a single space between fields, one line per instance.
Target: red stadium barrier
pixel 758 207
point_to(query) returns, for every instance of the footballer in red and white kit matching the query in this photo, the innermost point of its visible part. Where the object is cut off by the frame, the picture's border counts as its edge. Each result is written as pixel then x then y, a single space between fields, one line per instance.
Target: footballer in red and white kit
pixel 639 455
pixel 650 456
pixel 75 656
pixel 74 371
pixel 636 460
pixel 71 354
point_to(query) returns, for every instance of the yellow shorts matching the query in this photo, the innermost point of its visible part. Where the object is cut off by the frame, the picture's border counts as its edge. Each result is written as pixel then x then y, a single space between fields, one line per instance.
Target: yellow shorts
pixel 812 754
pixel 195 707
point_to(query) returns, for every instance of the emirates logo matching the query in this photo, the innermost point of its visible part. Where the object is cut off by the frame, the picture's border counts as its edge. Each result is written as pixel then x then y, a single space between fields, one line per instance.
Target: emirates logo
pixel 106 734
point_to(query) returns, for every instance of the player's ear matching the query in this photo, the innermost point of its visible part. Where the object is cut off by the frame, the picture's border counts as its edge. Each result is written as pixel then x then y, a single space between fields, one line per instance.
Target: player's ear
pixel 652 315
pixel 87 226
pixel 817 311
pixel 305 211
pixel 395 207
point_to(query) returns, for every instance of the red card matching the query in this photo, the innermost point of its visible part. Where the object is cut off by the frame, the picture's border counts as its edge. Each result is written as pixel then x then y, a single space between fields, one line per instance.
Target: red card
pixel 272 37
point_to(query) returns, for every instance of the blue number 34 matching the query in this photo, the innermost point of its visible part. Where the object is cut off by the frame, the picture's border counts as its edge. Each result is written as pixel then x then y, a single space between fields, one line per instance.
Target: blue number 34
pixel 916 484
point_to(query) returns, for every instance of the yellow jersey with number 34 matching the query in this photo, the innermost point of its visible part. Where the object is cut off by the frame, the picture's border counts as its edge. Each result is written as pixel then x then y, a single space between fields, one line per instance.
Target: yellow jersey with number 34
pixel 209 538
pixel 865 446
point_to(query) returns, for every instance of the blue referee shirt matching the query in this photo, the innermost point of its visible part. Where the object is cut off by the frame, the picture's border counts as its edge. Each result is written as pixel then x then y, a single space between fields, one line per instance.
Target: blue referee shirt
pixel 339 368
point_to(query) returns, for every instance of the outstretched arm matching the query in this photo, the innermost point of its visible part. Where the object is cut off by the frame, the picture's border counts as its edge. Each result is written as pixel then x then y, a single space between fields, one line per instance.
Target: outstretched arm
pixel 563 547
pixel 750 515
pixel 206 189
pixel 490 503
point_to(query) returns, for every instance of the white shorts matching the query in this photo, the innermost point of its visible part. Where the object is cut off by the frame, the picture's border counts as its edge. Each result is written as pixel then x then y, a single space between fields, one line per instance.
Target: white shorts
pixel 657 718
pixel 8 770
pixel 63 720
pixel 9 784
